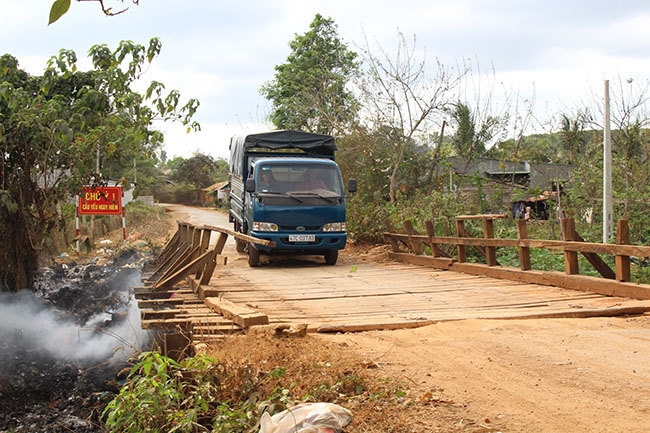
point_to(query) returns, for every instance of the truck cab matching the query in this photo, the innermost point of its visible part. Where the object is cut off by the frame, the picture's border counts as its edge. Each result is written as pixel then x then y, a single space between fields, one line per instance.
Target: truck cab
pixel 296 200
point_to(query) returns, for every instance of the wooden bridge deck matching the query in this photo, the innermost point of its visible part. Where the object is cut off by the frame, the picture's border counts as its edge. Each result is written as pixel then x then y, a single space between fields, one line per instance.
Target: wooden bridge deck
pixel 363 296
pixel 354 295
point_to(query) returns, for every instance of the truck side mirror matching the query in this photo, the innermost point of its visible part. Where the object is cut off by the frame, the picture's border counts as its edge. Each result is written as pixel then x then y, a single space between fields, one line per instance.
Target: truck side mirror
pixel 250 185
pixel 352 185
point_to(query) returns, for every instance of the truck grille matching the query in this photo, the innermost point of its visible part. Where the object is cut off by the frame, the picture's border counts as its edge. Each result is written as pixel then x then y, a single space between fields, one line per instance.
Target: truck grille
pixel 307 228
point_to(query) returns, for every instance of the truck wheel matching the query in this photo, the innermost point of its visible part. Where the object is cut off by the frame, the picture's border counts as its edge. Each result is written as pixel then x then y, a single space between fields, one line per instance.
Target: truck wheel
pixel 331 256
pixel 253 256
pixel 240 245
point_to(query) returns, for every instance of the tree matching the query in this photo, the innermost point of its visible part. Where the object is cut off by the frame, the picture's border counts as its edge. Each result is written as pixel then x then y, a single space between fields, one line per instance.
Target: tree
pixel 61 7
pixel 403 100
pixel 574 140
pixel 310 91
pixel 199 171
pixel 53 129
pixel 471 137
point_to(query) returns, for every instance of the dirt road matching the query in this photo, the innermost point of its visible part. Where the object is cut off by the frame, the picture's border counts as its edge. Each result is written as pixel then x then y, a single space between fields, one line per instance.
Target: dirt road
pixel 550 375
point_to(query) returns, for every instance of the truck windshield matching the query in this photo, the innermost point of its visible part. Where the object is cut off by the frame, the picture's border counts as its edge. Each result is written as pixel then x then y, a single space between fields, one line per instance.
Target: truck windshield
pixel 324 180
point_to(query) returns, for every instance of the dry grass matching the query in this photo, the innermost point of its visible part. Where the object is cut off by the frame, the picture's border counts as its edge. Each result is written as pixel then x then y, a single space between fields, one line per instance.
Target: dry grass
pixel 313 369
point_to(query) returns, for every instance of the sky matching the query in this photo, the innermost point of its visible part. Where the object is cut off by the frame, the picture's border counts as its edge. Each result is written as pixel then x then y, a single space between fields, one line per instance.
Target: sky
pixel 554 53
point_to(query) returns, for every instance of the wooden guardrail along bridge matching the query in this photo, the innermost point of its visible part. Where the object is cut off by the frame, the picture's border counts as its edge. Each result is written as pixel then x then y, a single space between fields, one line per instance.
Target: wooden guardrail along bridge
pixel 190 298
pixel 424 249
pixel 176 298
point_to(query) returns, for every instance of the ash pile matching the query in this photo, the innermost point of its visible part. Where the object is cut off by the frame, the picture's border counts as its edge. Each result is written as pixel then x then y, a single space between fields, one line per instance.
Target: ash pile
pixel 65 345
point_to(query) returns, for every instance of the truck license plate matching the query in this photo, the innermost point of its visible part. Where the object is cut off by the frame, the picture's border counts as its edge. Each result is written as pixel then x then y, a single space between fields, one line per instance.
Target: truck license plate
pixel 302 238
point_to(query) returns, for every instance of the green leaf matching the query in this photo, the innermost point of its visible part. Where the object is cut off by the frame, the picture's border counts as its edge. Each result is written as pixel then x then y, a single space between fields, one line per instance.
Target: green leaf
pixel 8 202
pixel 59 8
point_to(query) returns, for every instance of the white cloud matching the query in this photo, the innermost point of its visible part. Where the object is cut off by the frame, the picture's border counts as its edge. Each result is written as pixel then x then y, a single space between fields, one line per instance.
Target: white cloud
pixel 222 52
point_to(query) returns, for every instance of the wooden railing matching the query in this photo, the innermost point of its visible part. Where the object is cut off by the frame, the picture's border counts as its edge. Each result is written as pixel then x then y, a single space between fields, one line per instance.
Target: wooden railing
pixel 425 250
pixel 188 253
pixel 176 298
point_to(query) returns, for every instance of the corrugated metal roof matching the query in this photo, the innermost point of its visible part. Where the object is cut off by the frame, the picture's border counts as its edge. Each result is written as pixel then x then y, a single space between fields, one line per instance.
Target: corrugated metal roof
pixel 216 186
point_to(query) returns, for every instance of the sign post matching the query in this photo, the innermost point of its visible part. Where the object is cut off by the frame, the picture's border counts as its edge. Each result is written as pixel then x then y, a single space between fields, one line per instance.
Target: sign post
pixel 101 200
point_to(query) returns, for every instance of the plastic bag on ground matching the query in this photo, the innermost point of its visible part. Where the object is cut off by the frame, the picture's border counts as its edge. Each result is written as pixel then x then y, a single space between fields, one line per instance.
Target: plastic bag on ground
pixel 307 418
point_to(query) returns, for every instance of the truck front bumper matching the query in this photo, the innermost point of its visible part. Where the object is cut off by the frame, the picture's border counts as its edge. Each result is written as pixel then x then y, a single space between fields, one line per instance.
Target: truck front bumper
pixel 321 242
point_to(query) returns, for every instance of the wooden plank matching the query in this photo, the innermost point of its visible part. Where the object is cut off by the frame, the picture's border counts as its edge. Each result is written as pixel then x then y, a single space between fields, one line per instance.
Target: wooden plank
pixel 435 249
pixel 599 264
pixel 162 294
pixel 167 263
pixel 394 239
pixel 185 323
pixel 575 282
pixel 612 249
pixel 461 251
pixel 436 262
pixel 175 313
pixel 184 271
pixel 622 261
pixel 586 313
pixel 490 252
pixel 205 244
pixel 241 236
pixel 414 244
pixel 151 303
pixel 481 217
pixel 378 296
pixel 524 252
pixel 379 326
pixel 179 261
pixel 241 315
pixel 166 323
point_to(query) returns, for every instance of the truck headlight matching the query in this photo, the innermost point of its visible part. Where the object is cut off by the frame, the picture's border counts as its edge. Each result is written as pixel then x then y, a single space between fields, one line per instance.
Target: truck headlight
pixel 265 227
pixel 334 227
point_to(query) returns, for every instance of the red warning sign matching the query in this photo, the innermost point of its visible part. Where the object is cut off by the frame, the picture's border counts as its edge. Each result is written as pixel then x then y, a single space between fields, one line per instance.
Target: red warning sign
pixel 105 200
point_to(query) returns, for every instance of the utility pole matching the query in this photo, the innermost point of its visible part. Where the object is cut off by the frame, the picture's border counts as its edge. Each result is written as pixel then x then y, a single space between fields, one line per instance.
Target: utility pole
pixel 98 157
pixel 607 171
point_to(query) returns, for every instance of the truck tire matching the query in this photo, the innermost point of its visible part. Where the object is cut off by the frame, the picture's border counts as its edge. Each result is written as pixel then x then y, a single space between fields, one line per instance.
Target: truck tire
pixel 331 256
pixel 240 245
pixel 253 256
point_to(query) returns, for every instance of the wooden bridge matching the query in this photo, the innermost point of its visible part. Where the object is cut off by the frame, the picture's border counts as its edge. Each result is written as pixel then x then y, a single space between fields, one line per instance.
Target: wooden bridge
pixel 195 294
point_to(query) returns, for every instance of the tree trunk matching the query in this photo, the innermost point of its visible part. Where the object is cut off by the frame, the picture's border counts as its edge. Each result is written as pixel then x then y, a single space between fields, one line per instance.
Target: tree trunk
pixel 393 177
pixel 18 268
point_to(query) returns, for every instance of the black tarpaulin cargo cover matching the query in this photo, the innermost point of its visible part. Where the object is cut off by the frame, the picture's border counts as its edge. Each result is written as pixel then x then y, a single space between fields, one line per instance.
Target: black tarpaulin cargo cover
pixel 315 144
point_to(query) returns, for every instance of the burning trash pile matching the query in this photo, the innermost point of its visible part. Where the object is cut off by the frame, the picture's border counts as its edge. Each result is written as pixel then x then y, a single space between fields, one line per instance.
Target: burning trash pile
pixel 63 344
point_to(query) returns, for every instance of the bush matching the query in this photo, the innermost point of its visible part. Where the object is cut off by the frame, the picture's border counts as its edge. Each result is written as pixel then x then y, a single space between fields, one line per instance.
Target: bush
pixel 137 213
pixel 163 395
pixel 369 220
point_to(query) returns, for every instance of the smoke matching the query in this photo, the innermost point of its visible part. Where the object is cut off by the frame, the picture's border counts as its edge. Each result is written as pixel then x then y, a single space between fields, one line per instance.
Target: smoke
pixel 86 316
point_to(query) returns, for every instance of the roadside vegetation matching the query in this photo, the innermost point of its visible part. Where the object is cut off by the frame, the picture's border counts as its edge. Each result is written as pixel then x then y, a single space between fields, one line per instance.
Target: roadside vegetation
pixel 220 392
pixel 397 119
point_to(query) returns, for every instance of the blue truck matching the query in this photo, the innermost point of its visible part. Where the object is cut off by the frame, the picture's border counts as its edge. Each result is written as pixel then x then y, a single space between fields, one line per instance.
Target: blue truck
pixel 285 187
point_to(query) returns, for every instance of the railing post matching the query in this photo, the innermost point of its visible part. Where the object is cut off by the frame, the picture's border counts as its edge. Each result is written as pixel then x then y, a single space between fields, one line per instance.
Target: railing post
pixel 524 252
pixel 431 232
pixel 196 238
pixel 205 244
pixel 462 250
pixel 488 233
pixel 622 262
pixel 570 257
pixel 414 244
pixel 393 242
pixel 185 233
